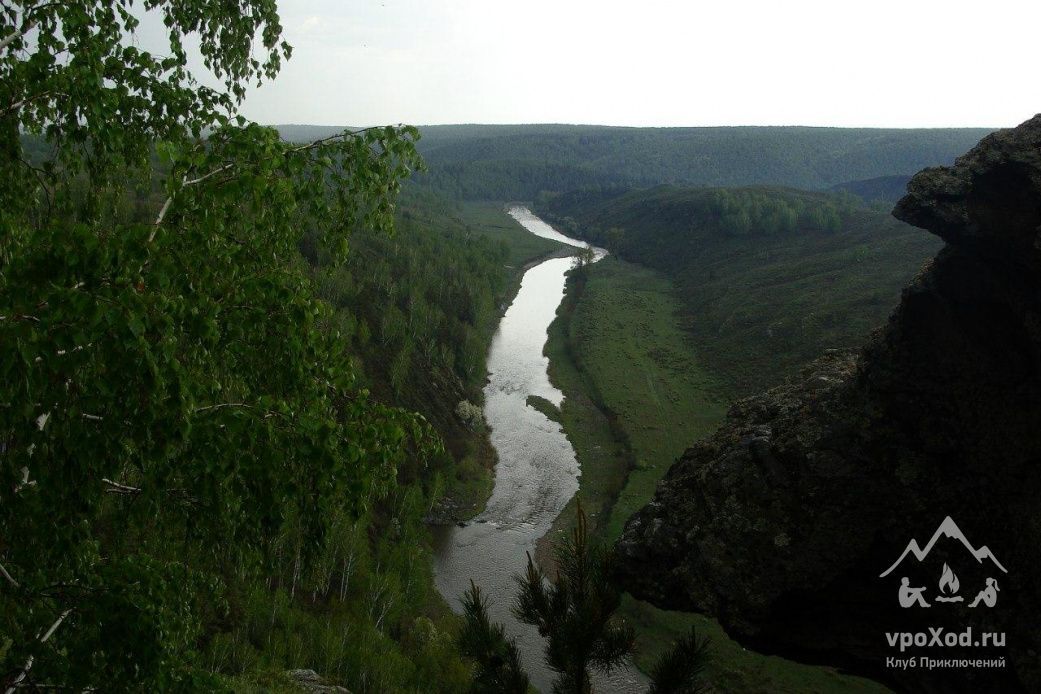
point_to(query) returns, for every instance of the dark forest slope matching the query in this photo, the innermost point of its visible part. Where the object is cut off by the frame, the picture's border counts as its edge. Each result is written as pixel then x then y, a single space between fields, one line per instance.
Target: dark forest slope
pixel 887 189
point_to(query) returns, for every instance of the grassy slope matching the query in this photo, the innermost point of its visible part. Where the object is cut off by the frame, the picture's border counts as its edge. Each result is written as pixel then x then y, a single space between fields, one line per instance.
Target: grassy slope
pixel 637 395
pixel 491 220
pixel 620 344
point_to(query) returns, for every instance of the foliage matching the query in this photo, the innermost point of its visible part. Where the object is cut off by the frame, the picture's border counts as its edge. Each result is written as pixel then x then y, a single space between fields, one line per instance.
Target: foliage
pixel 172 398
pixel 744 211
pixel 471 414
pixel 512 179
pixel 584 261
pixel 496 657
pixel 680 670
pixel 700 212
pixel 363 613
pixel 546 407
pixel 423 299
pixel 884 191
pixel 575 614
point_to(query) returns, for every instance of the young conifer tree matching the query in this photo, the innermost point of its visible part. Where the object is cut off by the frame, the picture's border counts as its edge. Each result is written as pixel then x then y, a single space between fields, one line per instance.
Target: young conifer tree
pixel 498 669
pixel 681 670
pixel 576 613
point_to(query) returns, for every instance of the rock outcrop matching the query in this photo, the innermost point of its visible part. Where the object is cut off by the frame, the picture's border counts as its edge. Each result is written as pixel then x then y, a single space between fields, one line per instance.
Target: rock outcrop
pixel 781 523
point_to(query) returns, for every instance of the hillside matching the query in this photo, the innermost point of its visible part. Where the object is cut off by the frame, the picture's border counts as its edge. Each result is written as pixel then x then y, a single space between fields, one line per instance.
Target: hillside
pixel 783 522
pixel 519 161
pixel 885 189
pixel 636 395
pixel 768 277
pixel 418 309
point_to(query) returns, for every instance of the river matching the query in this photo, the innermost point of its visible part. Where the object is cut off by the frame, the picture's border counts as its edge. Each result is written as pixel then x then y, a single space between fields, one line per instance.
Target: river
pixel 537 473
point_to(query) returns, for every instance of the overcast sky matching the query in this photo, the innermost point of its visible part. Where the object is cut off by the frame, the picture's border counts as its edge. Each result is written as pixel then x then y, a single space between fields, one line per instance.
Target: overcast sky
pixel 906 63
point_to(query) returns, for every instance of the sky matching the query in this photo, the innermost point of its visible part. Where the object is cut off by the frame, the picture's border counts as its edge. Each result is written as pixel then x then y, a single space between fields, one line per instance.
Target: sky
pixel 884 63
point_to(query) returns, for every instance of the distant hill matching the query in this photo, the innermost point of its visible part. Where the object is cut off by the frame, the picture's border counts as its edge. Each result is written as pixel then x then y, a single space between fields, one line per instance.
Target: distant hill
pixel 518 161
pixel 887 189
pixel 769 277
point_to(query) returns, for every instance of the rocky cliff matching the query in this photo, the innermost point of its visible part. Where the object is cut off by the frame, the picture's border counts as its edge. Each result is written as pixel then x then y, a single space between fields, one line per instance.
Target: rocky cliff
pixel 782 523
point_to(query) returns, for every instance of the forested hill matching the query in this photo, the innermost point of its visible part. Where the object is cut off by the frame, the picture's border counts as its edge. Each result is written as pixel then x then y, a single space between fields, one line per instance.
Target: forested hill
pixel 518 161
pixel 769 277
pixel 417 310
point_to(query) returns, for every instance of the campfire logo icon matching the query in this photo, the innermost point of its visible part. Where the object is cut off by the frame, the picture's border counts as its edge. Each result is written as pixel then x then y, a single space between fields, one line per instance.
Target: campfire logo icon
pixel 949 585
pixel 910 596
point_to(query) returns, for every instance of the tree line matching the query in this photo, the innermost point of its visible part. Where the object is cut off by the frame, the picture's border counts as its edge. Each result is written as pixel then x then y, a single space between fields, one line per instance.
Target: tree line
pixel 516 162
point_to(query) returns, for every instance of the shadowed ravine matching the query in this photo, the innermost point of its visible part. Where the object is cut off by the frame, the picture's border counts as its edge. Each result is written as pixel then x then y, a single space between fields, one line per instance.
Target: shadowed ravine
pixel 537 473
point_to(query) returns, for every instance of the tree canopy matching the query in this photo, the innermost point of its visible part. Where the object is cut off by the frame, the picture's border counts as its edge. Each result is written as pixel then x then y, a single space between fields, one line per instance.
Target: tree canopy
pixel 171 398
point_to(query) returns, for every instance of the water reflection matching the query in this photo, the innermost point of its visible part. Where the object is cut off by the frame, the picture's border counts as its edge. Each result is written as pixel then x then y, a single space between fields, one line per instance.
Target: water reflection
pixel 537 473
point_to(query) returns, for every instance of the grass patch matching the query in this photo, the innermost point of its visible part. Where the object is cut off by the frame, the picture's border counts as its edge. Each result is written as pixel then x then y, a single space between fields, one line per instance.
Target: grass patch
pixel 732 667
pixel 537 402
pixel 629 372
pixel 636 396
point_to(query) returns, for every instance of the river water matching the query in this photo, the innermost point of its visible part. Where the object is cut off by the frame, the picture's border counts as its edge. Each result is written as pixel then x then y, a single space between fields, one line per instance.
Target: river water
pixel 537 473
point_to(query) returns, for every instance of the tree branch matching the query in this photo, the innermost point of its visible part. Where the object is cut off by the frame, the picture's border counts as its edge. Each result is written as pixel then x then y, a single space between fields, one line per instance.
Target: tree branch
pixel 323 140
pixel 22 102
pixel 29 661
pixel 159 220
pixel 195 181
pixel 117 488
pixel 268 414
pixel 185 182
pixel 16 34
pixel 8 576
pixel 221 406
pixel 220 170
pixel 200 179
pixel 126 490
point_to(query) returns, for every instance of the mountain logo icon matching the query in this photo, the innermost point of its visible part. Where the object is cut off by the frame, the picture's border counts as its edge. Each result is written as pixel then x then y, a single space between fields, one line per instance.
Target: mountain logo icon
pixel 914 596
pixel 948 528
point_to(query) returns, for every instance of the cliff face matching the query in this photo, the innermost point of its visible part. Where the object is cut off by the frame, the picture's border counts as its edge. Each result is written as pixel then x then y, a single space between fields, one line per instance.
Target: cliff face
pixel 782 522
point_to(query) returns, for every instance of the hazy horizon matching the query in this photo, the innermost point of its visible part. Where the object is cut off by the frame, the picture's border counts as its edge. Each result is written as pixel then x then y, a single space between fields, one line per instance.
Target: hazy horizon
pixel 808 63
pixel 646 127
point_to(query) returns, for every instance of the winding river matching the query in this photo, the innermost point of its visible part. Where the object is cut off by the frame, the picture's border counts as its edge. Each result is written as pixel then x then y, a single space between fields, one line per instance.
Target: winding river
pixel 537 473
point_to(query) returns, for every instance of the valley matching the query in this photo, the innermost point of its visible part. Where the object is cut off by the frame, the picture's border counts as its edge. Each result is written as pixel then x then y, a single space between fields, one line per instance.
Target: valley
pixel 635 399
pixel 536 473
pixel 513 406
